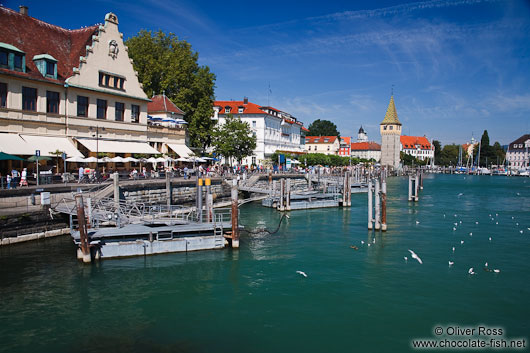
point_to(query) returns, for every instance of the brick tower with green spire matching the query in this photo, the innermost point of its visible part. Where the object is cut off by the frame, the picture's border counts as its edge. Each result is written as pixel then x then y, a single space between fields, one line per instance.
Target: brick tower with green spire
pixel 390 129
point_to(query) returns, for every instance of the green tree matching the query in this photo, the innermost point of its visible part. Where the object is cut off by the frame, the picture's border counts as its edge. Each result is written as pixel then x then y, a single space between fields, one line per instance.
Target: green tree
pixel 487 154
pixel 234 139
pixel 499 153
pixel 322 128
pixel 449 155
pixel 437 151
pixel 166 64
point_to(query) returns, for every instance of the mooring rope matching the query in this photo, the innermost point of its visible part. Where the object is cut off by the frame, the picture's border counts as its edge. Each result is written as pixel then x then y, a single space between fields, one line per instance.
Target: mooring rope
pixel 265 230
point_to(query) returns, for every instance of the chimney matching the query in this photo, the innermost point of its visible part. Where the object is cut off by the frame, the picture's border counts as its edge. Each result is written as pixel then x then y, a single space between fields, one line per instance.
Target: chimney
pixel 245 100
pixel 23 10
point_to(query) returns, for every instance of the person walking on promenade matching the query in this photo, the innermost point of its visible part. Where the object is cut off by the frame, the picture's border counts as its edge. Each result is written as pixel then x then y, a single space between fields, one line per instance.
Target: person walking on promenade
pixel 24 178
pixel 8 179
pixel 81 173
pixel 14 178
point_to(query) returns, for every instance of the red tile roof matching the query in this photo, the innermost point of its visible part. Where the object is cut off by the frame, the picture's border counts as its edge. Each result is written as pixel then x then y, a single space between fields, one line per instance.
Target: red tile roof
pixel 305 129
pixel 162 104
pixel 35 37
pixel 365 146
pixel 249 108
pixel 320 139
pixel 345 140
pixel 411 142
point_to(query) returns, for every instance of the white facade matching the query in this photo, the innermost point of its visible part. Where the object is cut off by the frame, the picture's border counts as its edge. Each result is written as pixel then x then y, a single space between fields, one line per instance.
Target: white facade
pixel 518 155
pixel 274 130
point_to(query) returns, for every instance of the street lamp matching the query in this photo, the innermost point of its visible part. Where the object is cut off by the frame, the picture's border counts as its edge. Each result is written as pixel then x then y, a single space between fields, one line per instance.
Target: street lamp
pixel 97 145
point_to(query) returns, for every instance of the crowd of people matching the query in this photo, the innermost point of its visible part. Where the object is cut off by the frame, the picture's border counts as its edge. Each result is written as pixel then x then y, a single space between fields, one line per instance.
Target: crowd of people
pixel 16 178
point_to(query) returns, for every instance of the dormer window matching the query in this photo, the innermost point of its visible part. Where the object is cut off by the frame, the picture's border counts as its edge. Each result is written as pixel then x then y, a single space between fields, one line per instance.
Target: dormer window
pixel 109 80
pixel 240 110
pixel 12 58
pixel 46 64
pixel 227 110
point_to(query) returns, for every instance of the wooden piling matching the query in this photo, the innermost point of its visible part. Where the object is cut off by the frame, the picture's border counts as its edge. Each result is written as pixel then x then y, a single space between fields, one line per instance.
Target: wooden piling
pixel 410 188
pixel 377 195
pixel 421 180
pixel 199 199
pixel 281 204
pixel 383 204
pixel 116 180
pixel 348 188
pixel 370 219
pixel 274 187
pixel 207 195
pixel 416 189
pixel 288 194
pixel 235 218
pixel 168 191
pixel 83 234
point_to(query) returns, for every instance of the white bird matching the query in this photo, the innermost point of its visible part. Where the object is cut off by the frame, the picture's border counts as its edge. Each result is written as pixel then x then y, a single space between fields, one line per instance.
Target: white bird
pixel 460 194
pixel 454 229
pixel 528 228
pixel 373 241
pixel 444 215
pixel 470 234
pixel 496 222
pixel 516 224
pixel 512 217
pixel 369 244
pixel 496 270
pixel 460 222
pixel 362 241
pixel 521 231
pixel 470 271
pixel 451 263
pixel 406 258
pixel 415 256
pixel 476 222
pixel 301 273
pixel 453 249
pixel 486 264
pixel 489 215
pixel 518 194
pixel 496 214
pixel 455 215
pixel 417 222
pixel 456 224
pixel 490 238
pixel 461 242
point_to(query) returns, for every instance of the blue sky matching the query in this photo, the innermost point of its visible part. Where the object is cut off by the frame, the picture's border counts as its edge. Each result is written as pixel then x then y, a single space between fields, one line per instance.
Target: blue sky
pixel 458 67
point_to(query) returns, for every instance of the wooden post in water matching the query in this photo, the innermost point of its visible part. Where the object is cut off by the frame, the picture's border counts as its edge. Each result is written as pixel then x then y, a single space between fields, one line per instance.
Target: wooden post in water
pixel 410 188
pixel 270 184
pixel 282 195
pixel 199 199
pixel 421 180
pixel 116 178
pixel 207 196
pixel 288 194
pixel 383 204
pixel 417 188
pixel 377 204
pixel 348 188
pixel 235 224
pixel 370 218
pixel 168 192
pixel 274 187
pixel 83 235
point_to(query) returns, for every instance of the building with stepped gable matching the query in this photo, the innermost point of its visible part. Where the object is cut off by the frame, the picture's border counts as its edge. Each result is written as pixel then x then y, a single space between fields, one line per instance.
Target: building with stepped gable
pixel 390 129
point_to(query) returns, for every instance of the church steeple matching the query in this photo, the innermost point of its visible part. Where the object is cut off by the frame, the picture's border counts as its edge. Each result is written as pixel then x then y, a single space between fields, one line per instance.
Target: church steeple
pixel 391 116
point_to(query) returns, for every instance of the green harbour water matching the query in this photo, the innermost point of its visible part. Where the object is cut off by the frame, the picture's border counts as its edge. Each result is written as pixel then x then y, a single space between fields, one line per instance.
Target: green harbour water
pixel 252 299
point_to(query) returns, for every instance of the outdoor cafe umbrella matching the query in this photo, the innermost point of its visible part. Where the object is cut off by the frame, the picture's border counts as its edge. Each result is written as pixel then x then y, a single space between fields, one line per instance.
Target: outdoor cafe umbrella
pixel 151 160
pixel 130 159
pixel 39 158
pixel 160 160
pixel 117 159
pixel 9 157
pixel 75 159
pixel 90 160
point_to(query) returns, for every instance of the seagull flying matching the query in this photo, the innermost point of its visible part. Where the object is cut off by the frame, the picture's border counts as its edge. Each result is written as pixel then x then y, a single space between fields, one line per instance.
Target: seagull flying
pixel 301 273
pixel 414 256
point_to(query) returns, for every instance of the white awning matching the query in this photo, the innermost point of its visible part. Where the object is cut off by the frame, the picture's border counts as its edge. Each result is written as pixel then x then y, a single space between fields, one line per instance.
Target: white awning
pixel 113 146
pixel 181 150
pixel 47 145
pixel 27 145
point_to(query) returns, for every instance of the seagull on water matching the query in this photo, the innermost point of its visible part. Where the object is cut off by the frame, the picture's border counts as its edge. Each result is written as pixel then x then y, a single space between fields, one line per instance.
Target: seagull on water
pixel 461 242
pixel 406 258
pixel 496 270
pixel 486 264
pixel 496 222
pixel 451 263
pixel 456 224
pixel 470 271
pixel 471 234
pixel 454 229
pixel 301 273
pixel 453 249
pixel 417 222
pixel 490 238
pixel 460 194
pixel 362 241
pixel 415 256
pixel 476 222
pixel 521 231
